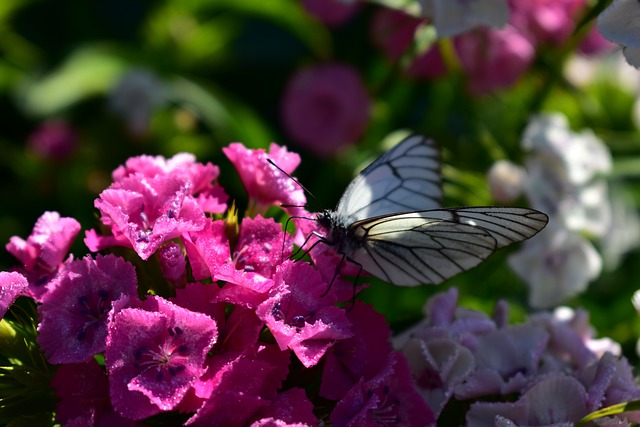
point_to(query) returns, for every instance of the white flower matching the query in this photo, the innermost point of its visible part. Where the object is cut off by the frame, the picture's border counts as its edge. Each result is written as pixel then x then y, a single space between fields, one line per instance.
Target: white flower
pixel 453 17
pixel 623 234
pixel 620 23
pixel 556 265
pixel 506 181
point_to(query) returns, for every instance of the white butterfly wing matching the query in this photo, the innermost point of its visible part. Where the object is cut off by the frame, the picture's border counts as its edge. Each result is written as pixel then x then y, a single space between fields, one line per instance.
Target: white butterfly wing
pixel 405 178
pixel 428 247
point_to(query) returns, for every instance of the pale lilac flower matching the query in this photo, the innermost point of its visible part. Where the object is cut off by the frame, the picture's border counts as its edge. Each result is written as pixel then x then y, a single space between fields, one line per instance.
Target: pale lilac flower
pixel 556 265
pixel 326 108
pixel 298 315
pixel 619 23
pixel 135 97
pixel 331 12
pixel 44 250
pixel 453 17
pixel 389 398
pixel 506 181
pixel 150 211
pixel 265 184
pixel 74 315
pixel 554 401
pixel 12 285
pixel 54 140
pixel 154 354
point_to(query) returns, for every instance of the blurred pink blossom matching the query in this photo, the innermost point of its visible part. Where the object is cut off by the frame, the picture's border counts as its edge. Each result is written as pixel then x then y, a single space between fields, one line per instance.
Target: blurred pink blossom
pixel 545 21
pixel 332 12
pixel 325 108
pixel 53 140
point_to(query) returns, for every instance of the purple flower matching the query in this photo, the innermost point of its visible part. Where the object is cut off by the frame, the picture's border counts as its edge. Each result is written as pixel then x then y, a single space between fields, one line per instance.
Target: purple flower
pixel 42 253
pixel 332 12
pixel 326 108
pixel 556 400
pixel 361 356
pixel 200 297
pixel 173 263
pixel 154 354
pixel 74 315
pixel 211 197
pixel 290 408
pixel 12 285
pixel 299 317
pixel 83 391
pixel 265 184
pixel 390 398
pixel 150 211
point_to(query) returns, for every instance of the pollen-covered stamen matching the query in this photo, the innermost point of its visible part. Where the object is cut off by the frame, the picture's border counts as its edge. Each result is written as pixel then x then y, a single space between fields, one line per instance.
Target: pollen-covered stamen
pixel 386 412
pixel 95 311
pixel 164 360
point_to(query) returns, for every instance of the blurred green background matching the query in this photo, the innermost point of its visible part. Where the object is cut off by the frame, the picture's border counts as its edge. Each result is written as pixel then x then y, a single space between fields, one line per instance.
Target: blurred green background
pixel 214 72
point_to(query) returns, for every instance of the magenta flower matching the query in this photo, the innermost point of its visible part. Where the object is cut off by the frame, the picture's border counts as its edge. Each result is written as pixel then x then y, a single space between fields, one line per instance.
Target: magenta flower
pixel 211 197
pixel 299 317
pixel 265 184
pixel 389 398
pixel 173 263
pixel 42 253
pixel 393 31
pixel 154 354
pixel 546 21
pixel 12 285
pixel 326 108
pixel 352 359
pixel 332 12
pixel 74 315
pixel 261 244
pixel 207 249
pixel 239 386
pixel 83 391
pixel 53 140
pixel 150 211
pixel 200 297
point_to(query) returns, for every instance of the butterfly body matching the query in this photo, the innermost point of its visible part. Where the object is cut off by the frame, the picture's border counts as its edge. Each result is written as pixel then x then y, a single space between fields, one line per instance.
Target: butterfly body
pixel 390 221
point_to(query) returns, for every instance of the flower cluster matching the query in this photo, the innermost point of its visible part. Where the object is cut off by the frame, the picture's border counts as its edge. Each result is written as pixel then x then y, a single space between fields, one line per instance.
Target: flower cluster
pixel 565 176
pixel 547 371
pixel 188 315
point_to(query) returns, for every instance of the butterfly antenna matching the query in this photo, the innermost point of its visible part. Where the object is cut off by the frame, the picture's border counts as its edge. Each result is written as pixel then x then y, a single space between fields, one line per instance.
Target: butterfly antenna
pixel 272 163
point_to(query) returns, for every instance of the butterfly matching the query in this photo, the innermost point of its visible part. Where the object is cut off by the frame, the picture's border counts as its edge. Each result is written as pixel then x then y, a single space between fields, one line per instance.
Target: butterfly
pixel 390 221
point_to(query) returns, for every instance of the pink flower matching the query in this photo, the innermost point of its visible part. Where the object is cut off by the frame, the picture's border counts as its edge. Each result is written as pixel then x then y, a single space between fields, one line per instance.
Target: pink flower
pixel 494 59
pixel 74 315
pixel 299 317
pixel 172 263
pixel 53 140
pixel 332 12
pixel 207 249
pixel 545 21
pixel 42 253
pixel 325 108
pixel 389 398
pixel 154 355
pixel 211 197
pixel 265 184
pixel 12 285
pixel 145 212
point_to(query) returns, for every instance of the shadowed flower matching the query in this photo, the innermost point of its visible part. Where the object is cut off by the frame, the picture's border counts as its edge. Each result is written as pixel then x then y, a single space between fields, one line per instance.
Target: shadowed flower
pixel 42 253
pixel 332 12
pixel 154 354
pixel 53 140
pixel 291 408
pixel 74 315
pixel 326 108
pixel 389 398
